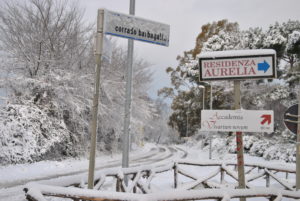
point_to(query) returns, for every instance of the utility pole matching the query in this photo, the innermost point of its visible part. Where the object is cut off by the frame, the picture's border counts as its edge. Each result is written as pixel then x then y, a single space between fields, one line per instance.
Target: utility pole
pixel 187 124
pixel 210 137
pixel 203 107
pixel 298 147
pixel 239 139
pixel 126 138
pixel 98 54
pixel 203 98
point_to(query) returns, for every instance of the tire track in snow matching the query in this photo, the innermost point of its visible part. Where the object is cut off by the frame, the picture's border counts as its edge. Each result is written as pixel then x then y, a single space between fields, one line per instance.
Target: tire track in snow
pixel 159 154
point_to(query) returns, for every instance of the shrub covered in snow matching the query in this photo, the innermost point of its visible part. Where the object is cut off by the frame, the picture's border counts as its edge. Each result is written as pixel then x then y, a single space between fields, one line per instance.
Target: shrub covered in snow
pixel 29 133
pixel 275 148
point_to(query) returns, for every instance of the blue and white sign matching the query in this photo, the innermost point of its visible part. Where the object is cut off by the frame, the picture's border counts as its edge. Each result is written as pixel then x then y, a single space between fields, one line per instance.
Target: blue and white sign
pixel 238 64
pixel 132 27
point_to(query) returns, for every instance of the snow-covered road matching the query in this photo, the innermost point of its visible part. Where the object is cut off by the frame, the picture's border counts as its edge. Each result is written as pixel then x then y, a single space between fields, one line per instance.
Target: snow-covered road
pixel 14 177
pixel 61 173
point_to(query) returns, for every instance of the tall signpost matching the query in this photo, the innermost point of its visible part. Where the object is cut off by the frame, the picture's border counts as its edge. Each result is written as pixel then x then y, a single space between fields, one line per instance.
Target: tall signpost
pixel 98 54
pixel 132 28
pixel 237 65
pixel 298 149
pixel 239 138
pixel 210 107
pixel 126 137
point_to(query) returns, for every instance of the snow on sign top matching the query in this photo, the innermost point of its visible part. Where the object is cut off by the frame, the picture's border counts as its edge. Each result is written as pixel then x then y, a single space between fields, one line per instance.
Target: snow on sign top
pixel 136 28
pixel 238 64
pixel 236 53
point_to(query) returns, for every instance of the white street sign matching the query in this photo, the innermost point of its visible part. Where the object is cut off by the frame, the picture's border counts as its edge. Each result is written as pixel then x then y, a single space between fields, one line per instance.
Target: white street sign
pixel 238 64
pixel 237 120
pixel 132 27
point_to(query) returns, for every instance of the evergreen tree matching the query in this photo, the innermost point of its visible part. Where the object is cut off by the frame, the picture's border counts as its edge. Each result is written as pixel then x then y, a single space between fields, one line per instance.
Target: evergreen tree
pixel 285 39
pixel 223 35
pixel 211 30
pixel 187 90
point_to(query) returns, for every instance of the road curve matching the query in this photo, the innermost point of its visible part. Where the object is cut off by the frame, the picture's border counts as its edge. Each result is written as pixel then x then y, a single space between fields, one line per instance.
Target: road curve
pixel 160 154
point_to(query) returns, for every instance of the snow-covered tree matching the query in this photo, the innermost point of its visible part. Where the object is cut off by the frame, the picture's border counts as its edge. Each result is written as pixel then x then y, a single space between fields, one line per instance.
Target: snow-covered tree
pixel 284 38
pixel 223 41
pixel 53 73
pixel 158 130
pixel 44 35
pixel 253 38
pixel 223 35
pixel 211 30
pixel 187 96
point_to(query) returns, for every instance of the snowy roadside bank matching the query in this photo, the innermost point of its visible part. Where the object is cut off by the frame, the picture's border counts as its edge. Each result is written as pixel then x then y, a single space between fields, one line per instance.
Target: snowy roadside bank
pixel 51 169
pixel 12 175
pixel 196 165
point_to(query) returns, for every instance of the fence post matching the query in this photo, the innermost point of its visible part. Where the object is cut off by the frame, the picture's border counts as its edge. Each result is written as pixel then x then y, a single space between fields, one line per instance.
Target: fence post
pixel 119 185
pixel 175 175
pixel 222 176
pixel 267 180
pixel 272 198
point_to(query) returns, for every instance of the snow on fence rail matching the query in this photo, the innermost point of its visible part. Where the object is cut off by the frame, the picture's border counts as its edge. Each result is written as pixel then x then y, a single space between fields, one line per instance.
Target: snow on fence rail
pixel 36 192
pixel 140 178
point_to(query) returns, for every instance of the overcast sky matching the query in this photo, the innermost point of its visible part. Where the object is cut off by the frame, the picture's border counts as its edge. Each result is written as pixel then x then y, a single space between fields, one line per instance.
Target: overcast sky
pixel 186 17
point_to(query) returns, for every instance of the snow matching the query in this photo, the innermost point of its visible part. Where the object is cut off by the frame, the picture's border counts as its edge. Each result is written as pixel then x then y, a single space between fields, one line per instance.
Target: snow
pixel 159 172
pixel 237 53
pixel 294 38
pixel 165 195
pixel 25 138
pixel 15 174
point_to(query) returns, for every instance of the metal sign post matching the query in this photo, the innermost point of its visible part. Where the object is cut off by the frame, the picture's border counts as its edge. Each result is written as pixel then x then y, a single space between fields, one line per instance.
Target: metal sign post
pixel 98 53
pixel 298 149
pixel 239 139
pixel 126 142
pixel 133 28
pixel 210 107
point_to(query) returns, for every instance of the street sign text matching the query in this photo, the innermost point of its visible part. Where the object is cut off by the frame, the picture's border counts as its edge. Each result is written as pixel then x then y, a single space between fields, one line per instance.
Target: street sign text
pixel 248 64
pixel 237 120
pixel 132 27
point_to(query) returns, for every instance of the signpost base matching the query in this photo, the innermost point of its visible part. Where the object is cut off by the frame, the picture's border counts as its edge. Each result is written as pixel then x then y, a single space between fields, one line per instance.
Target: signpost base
pixel 239 139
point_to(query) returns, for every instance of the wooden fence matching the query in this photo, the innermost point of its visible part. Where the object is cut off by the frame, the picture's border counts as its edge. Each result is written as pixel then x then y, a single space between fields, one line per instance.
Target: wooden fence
pixel 136 183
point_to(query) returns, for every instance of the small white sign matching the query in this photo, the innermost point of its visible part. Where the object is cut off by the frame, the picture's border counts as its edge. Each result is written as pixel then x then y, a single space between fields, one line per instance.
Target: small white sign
pixel 237 120
pixel 242 64
pixel 132 27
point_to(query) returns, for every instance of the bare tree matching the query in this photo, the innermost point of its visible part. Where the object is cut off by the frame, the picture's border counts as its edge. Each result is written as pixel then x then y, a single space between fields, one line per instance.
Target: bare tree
pixel 50 54
pixel 44 34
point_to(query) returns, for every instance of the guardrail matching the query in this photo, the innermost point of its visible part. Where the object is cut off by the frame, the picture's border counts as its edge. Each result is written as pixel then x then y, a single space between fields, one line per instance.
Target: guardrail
pixel 140 183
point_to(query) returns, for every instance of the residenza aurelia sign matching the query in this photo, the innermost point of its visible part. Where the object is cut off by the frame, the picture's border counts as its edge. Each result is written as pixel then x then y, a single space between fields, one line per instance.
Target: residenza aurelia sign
pixel 238 64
